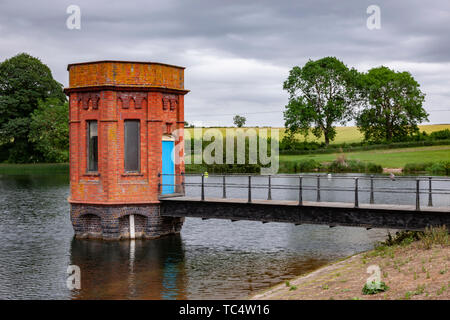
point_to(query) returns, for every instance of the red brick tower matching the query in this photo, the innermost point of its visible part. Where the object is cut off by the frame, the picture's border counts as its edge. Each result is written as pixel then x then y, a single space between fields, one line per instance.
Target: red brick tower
pixel 123 116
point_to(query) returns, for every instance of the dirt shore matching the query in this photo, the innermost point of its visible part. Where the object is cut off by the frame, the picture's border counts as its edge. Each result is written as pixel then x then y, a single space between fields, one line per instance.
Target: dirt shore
pixel 410 272
pixel 393 170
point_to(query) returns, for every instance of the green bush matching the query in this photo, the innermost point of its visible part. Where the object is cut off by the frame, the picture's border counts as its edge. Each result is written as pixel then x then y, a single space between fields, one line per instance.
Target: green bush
pixel 403 237
pixel 441 167
pixel 223 168
pixel 299 166
pixel 435 236
pixel 311 165
pixel 440 135
pixel 290 143
pixel 417 167
pixel 437 168
pixel 374 168
pixel 364 146
pixel 374 287
pixel 340 165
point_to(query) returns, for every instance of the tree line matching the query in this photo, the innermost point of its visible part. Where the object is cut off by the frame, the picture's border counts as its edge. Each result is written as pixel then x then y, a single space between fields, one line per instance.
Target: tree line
pixel 34 113
pixel 386 105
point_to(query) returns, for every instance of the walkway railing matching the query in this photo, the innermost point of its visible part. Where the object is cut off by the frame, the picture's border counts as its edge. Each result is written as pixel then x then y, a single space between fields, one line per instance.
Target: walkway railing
pixel 179 185
pixel 422 185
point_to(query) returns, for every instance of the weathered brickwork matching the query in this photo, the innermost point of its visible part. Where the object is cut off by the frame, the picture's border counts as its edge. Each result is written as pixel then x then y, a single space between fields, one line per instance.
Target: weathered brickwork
pixel 111 92
pixel 112 222
pixel 119 73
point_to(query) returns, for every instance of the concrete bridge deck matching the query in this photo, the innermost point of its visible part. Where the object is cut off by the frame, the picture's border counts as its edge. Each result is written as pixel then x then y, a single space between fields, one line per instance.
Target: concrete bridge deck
pixel 327 213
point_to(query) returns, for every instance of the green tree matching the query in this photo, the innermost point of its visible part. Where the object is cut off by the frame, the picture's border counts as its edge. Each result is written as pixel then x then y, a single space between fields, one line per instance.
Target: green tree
pixel 392 105
pixel 321 94
pixel 49 130
pixel 239 121
pixel 24 80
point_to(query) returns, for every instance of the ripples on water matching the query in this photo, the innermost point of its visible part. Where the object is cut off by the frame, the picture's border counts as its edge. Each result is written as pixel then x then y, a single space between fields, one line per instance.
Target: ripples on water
pixel 212 259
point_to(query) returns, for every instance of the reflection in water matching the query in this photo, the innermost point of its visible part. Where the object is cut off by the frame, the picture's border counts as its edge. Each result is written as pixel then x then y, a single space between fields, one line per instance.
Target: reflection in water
pixel 232 261
pixel 136 269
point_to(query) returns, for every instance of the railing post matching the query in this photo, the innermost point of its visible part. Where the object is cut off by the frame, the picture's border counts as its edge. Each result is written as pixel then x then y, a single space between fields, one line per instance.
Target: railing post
pixel 249 189
pixel 318 188
pixel 203 187
pixel 269 195
pixel 417 195
pixel 224 193
pixel 183 185
pixel 159 182
pixel 300 191
pixel 430 193
pixel 356 193
pixel 371 190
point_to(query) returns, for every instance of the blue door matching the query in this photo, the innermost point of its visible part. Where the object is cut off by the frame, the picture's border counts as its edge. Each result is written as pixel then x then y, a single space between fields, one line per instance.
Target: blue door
pixel 168 167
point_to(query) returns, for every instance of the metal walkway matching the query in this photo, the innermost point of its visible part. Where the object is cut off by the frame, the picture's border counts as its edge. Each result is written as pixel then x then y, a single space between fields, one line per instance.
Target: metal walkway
pixel 369 215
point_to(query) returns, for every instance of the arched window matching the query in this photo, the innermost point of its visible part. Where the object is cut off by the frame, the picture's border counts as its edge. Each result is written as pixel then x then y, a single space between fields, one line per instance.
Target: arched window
pixel 173 104
pixel 119 103
pixel 92 146
pixel 143 104
pixel 80 104
pixel 165 103
pixel 132 145
pixel 97 103
pixel 132 103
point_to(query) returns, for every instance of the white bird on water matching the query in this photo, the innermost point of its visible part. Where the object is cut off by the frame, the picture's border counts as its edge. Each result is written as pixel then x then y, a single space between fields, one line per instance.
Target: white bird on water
pixel 392 176
pixel 329 176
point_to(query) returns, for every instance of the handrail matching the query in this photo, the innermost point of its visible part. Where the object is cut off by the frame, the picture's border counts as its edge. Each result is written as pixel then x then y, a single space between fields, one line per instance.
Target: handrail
pixel 299 185
pixel 327 175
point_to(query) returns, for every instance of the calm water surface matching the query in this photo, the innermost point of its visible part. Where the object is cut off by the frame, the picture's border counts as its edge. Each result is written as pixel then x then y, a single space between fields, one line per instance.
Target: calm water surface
pixel 211 259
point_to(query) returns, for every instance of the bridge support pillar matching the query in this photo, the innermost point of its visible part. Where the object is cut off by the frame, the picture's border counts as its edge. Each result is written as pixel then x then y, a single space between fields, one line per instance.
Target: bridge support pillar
pixel 122 222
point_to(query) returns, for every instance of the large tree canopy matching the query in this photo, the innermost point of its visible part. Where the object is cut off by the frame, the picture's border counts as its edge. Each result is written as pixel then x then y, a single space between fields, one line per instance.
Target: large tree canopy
pixel 49 130
pixel 392 105
pixel 24 81
pixel 321 94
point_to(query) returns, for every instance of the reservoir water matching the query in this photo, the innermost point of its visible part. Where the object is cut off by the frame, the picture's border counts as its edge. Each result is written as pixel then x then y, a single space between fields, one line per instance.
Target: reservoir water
pixel 212 259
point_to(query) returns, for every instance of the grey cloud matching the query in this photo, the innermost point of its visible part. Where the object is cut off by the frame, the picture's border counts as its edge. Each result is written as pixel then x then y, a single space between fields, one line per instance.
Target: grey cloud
pixel 238 53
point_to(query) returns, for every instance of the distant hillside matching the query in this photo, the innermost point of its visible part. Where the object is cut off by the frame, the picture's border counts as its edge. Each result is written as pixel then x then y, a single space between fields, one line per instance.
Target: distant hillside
pixel 348 134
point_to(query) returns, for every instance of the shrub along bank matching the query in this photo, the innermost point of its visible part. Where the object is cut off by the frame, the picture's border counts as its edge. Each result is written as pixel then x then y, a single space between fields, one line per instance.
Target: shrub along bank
pixel 441 167
pixel 316 148
pixel 338 165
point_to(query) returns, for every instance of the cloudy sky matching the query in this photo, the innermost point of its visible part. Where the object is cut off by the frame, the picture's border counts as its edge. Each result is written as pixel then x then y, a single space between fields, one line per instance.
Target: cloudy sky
pixel 238 53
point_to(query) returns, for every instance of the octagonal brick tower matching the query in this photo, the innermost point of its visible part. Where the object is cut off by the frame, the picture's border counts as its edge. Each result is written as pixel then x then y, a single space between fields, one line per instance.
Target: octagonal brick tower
pixel 123 117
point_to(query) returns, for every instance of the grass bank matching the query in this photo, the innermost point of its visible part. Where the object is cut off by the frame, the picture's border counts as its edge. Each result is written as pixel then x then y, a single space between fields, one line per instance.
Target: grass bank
pixel 414 266
pixel 34 168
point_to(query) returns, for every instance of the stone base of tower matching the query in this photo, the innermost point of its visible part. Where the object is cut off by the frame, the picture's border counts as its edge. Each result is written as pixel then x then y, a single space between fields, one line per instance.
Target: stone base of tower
pixel 112 222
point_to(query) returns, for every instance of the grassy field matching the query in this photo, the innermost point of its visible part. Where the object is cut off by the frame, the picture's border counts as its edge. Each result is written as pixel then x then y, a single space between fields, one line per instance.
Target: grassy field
pixel 388 158
pixel 344 134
